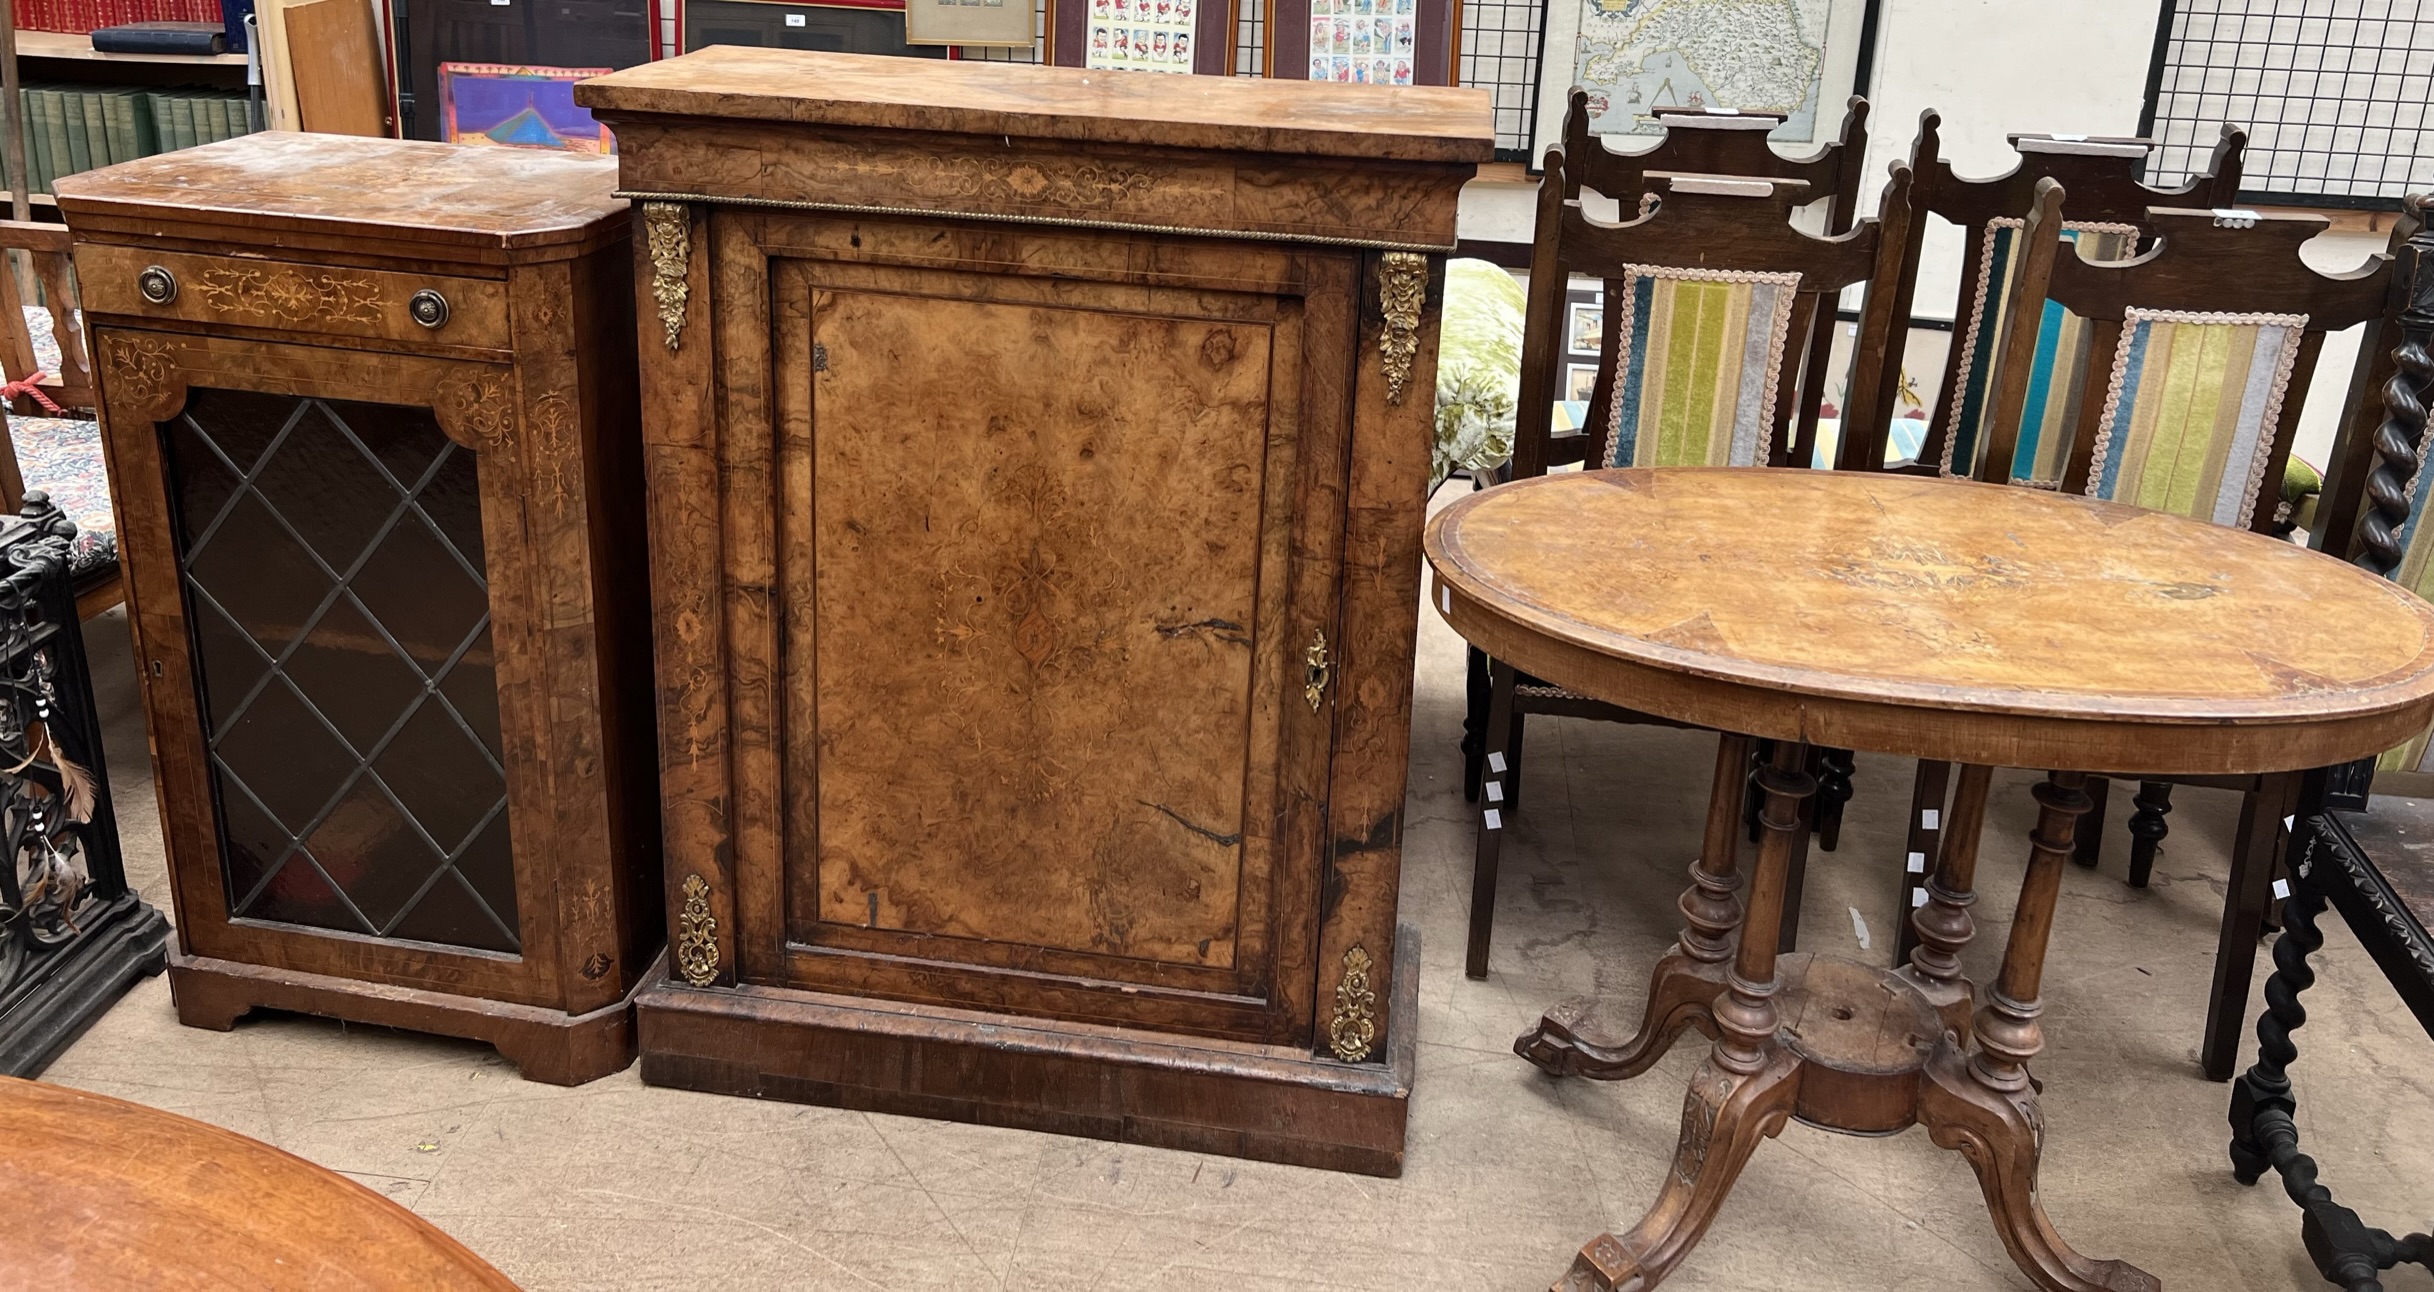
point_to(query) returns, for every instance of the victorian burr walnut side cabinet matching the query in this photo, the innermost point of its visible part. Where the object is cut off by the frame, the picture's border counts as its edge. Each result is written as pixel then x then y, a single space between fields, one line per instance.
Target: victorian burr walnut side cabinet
pixel 1036 460
pixel 370 414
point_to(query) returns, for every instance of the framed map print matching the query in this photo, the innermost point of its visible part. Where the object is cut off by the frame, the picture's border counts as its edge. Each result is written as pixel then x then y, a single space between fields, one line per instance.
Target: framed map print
pixel 1362 42
pixel 1638 58
pixel 1183 36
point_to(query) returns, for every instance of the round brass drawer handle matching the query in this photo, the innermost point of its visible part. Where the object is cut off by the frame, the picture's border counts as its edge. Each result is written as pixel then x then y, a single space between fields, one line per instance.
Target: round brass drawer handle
pixel 429 308
pixel 158 285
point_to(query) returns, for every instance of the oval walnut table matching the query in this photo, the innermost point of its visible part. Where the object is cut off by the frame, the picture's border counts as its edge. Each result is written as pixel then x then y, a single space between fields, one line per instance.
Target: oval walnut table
pixel 1984 625
pixel 109 1194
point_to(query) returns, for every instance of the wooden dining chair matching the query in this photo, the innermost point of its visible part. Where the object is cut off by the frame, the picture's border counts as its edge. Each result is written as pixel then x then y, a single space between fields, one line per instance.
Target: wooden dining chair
pixel 1707 143
pixel 1711 294
pixel 2108 222
pixel 2202 348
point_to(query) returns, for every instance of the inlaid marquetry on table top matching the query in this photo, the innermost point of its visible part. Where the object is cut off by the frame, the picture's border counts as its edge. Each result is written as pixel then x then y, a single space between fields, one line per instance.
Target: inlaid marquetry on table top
pixel 112 1194
pixel 1949 620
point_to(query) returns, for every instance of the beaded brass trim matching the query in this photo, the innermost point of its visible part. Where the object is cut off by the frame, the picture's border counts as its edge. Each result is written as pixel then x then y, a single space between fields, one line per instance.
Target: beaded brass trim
pixel 1402 288
pixel 1045 221
pixel 1354 1029
pixel 697 935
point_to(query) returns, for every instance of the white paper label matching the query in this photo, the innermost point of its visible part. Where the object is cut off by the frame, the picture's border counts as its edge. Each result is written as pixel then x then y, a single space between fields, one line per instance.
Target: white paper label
pixel 1495 762
pixel 2281 890
pixel 1918 863
pixel 1930 818
pixel 1859 927
pixel 2289 822
pixel 794 20
pixel 1495 819
pixel 1445 599
pixel 1918 897
pixel 1495 791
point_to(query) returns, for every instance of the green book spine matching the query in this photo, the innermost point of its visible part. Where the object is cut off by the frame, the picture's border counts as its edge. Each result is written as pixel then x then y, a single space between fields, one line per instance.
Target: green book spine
pixel 181 110
pixel 141 121
pixel 55 128
pixel 97 127
pixel 37 142
pixel 217 111
pixel 72 120
pixel 118 115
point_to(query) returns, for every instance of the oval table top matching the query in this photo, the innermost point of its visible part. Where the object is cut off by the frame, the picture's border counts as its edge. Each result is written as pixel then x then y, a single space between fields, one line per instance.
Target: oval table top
pixel 1943 619
pixel 109 1194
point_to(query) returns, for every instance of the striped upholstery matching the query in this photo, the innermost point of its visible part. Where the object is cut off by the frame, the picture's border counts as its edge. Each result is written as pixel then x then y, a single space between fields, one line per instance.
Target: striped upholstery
pixel 1699 355
pixel 2046 424
pixel 2191 409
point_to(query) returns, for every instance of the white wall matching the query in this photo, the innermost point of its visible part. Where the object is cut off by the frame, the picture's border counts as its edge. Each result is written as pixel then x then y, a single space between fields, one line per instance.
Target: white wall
pixel 1993 68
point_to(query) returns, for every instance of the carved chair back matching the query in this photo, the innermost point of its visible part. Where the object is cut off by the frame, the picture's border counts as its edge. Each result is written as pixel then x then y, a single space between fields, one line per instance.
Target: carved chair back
pixel 1732 143
pixel 2108 222
pixel 1711 297
pixel 2200 353
pixel 1718 143
pixel 45 249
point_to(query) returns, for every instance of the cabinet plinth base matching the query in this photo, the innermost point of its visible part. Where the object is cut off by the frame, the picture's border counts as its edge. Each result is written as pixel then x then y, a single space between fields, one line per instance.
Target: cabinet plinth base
pixel 1189 1093
pixel 545 1045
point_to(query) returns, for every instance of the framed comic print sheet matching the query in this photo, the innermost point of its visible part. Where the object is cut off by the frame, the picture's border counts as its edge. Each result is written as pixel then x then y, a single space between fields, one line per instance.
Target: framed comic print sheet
pixel 1363 42
pixel 1143 35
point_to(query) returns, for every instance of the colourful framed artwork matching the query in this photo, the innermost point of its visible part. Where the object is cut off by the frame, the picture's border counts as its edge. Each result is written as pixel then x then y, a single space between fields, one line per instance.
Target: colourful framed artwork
pixel 1364 42
pixel 507 105
pixel 1143 35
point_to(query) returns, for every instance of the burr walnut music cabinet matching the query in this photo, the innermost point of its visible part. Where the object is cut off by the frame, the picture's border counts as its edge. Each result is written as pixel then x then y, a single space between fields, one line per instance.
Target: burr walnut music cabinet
pixel 370 415
pixel 1035 460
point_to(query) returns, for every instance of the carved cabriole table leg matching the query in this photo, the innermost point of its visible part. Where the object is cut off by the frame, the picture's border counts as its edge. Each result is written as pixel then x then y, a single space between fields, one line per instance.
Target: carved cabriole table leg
pixel 1683 989
pixel 1746 1088
pixel 1943 925
pixel 1984 1105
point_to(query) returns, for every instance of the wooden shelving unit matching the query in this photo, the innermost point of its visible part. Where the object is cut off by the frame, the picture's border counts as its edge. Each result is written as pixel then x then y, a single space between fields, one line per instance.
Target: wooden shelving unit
pixel 69 45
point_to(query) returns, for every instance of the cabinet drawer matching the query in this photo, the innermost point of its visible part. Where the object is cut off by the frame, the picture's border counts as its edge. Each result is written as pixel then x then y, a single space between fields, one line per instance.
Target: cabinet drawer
pixel 322 299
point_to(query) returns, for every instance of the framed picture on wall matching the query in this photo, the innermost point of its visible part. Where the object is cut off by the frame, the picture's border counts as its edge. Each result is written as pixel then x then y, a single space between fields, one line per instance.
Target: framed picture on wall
pixel 1587 327
pixel 1186 36
pixel 968 22
pixel 506 106
pixel 1801 58
pixel 1364 42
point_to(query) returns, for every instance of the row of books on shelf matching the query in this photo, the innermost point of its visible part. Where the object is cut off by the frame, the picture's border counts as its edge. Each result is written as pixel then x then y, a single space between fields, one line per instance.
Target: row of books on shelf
pixel 87 15
pixel 76 128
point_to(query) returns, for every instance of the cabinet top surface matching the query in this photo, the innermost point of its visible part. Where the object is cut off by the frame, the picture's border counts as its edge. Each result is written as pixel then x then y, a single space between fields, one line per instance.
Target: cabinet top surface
pixel 503 198
pixel 1969 605
pixel 1387 123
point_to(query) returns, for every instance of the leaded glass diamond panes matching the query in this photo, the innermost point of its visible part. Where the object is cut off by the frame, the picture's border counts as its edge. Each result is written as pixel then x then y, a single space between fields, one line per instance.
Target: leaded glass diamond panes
pixel 335 581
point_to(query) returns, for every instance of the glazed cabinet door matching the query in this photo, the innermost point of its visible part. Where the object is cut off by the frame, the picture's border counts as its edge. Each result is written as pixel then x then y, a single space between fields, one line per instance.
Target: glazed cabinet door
pixel 317 539
pixel 1054 549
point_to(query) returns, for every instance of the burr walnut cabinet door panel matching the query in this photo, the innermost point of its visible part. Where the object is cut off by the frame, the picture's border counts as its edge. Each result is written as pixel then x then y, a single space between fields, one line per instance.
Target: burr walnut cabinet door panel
pixel 324 656
pixel 1055 558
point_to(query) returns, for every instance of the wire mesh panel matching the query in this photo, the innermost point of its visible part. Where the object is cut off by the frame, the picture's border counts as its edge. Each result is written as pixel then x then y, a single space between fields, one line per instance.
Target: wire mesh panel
pixel 1500 40
pixel 2333 94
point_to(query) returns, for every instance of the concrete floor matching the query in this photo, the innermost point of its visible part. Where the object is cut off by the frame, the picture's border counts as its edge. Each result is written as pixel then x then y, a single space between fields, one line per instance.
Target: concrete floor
pixel 617 1185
